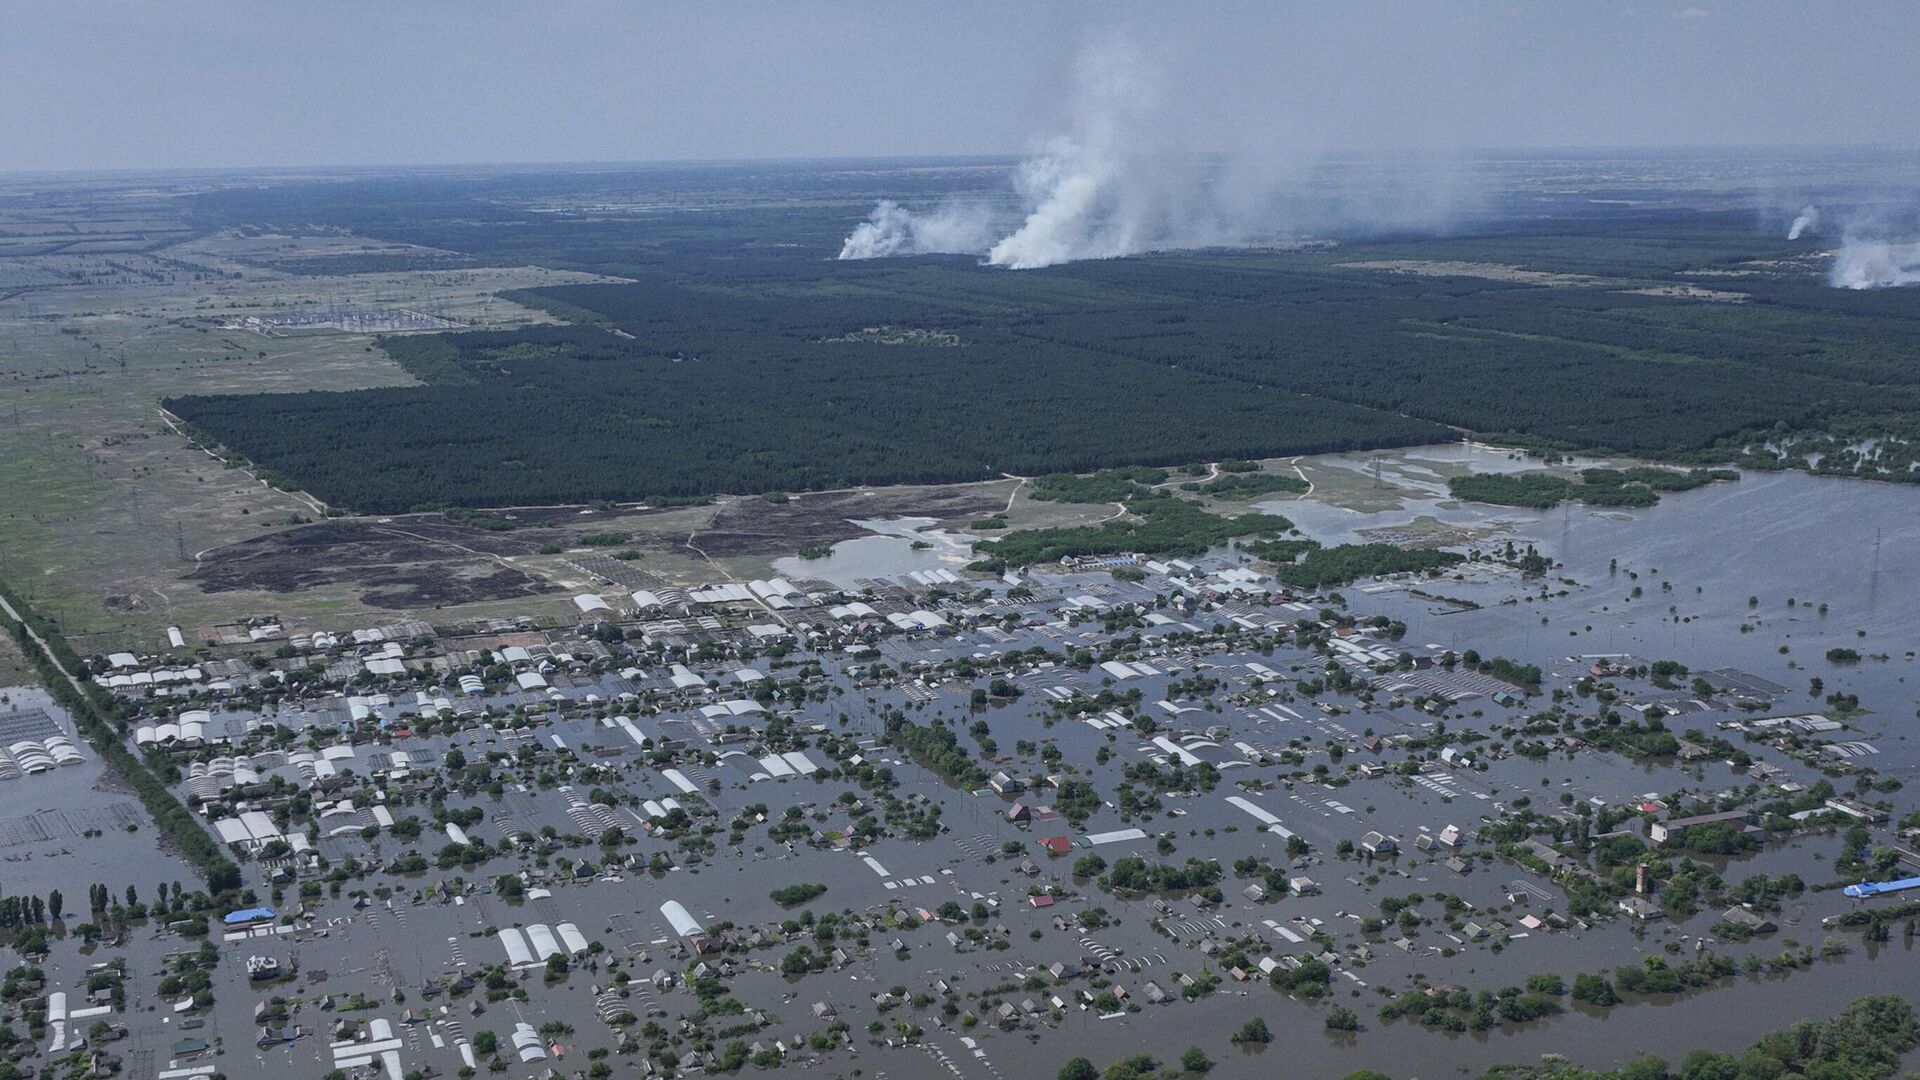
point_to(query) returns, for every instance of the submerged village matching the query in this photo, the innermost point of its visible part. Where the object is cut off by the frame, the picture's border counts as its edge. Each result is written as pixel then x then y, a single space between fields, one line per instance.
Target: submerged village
pixel 947 822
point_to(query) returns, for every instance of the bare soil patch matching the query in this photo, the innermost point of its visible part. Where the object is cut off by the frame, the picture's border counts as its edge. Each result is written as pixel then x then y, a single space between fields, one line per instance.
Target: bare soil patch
pixel 747 527
pixel 1691 292
pixel 1485 271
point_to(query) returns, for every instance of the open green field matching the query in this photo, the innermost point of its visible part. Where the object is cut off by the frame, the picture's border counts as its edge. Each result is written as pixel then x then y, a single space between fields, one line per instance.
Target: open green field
pixel 15 670
pixel 102 494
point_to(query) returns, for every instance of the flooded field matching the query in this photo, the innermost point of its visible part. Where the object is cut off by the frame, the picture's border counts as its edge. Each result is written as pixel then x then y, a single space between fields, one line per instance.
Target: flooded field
pixel 898 547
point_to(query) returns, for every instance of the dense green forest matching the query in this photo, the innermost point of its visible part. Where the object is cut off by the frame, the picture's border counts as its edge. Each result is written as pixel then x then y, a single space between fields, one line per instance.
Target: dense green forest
pixel 742 357
pixel 574 414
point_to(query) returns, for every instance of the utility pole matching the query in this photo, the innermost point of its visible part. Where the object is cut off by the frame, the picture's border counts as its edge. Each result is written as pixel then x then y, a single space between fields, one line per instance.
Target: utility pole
pixel 1873 575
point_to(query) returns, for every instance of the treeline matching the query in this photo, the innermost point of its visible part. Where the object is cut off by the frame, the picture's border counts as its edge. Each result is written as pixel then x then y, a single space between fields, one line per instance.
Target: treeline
pixel 1325 567
pixel 797 894
pixel 1636 487
pixel 461 515
pixel 1866 1042
pixel 1460 1010
pixel 368 262
pixel 1280 551
pixel 1534 491
pixel 19 911
pixel 1874 447
pixel 1656 478
pixel 91 712
pixel 1107 485
pixel 1464 1010
pixel 1249 486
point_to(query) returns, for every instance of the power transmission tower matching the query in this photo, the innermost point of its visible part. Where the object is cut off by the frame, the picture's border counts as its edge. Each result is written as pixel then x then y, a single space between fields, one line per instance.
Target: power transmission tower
pixel 180 542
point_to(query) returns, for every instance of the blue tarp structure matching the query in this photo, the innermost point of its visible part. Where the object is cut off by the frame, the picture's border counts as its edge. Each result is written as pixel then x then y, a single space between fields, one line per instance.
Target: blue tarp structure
pixel 248 915
pixel 1877 888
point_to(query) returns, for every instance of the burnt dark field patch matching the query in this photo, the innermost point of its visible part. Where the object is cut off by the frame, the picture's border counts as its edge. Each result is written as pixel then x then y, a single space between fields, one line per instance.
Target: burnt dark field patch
pixel 387 567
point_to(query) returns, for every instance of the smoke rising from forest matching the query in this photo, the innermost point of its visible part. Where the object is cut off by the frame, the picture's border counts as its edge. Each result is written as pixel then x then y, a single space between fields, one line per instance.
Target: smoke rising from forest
pixel 953 229
pixel 1871 255
pixel 1809 218
pixel 1869 263
pixel 1120 179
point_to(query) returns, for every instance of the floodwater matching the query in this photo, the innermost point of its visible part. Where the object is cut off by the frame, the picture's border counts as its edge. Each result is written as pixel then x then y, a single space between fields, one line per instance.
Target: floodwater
pixel 887 553
pixel 1699 557
pixel 68 828
pixel 1768 536
pixel 1854 544
pixel 27 697
pixel 1729 1017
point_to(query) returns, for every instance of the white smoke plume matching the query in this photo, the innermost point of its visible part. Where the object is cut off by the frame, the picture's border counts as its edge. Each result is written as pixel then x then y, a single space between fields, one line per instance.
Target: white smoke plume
pixel 1105 188
pixel 1879 245
pixel 1863 263
pixel 1120 180
pixel 1809 219
pixel 955 228
pixel 1098 191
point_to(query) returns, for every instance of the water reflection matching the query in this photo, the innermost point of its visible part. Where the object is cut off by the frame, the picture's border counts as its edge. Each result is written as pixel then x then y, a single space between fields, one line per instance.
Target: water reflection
pixel 890 552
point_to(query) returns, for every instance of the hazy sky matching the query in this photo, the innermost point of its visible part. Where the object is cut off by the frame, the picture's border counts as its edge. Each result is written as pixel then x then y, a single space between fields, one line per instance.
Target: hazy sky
pixel 180 83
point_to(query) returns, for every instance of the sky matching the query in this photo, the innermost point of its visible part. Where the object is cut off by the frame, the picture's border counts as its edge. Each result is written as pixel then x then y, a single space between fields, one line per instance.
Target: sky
pixel 132 84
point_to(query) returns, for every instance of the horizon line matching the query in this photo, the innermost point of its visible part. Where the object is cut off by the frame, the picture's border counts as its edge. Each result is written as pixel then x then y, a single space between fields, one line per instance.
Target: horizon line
pixel 610 164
